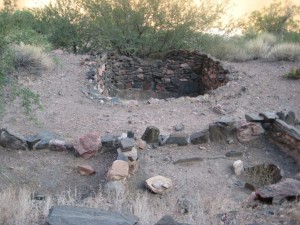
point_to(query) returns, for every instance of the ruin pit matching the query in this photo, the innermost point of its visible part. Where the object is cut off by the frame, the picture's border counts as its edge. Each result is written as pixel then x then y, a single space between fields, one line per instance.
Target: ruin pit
pixel 179 73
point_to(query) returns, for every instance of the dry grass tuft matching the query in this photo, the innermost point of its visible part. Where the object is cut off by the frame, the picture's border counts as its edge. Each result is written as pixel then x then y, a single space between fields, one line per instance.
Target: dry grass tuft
pixel 285 52
pixel 31 59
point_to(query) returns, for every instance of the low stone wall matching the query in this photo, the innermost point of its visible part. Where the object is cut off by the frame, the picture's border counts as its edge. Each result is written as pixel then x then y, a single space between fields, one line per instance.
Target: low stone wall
pixel 179 73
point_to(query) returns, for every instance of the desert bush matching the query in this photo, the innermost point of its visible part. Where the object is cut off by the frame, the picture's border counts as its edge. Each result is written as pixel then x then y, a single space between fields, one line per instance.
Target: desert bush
pixel 293 74
pixel 30 58
pixel 285 51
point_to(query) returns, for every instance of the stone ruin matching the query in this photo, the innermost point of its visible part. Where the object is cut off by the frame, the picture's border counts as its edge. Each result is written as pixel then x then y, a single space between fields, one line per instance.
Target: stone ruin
pixel 179 73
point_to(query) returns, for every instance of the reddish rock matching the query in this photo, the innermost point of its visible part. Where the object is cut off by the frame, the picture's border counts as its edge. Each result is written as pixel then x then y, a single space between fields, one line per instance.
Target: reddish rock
pixel 159 184
pixel 118 171
pixel 140 144
pixel 287 188
pixel 249 131
pixel 86 170
pixel 88 145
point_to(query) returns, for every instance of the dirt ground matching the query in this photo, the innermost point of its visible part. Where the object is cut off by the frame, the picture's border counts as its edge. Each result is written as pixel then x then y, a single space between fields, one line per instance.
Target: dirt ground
pixel 209 186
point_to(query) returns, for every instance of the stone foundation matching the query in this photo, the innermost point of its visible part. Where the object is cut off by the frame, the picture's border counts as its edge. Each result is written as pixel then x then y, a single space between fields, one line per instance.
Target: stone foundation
pixel 179 73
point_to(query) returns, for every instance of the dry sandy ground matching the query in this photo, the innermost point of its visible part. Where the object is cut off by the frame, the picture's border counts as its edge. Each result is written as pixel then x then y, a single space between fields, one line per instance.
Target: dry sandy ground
pixel 209 186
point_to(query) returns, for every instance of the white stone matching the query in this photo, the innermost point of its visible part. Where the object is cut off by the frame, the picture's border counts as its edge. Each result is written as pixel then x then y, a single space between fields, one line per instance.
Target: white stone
pixel 238 167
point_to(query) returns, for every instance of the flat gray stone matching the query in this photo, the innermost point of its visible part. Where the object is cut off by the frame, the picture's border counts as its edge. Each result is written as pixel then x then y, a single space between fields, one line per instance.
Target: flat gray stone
pixel 251 117
pixel 168 220
pixel 290 118
pixel 233 154
pixel 220 132
pixel 69 215
pixel 179 127
pixel 200 137
pixel 109 143
pixel 268 116
pixel 127 144
pixel 180 139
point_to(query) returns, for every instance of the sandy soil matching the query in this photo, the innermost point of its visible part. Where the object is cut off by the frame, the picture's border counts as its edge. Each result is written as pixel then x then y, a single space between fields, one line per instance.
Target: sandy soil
pixel 209 185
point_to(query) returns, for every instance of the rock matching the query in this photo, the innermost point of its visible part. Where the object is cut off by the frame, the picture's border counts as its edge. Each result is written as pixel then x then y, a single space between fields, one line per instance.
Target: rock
pixel 31 141
pixel 132 155
pixel 127 144
pixel 44 140
pixel 151 134
pixel 118 171
pixel 11 140
pixel 281 115
pixel 140 144
pixel 287 188
pixel 188 161
pixel 180 139
pixel 290 118
pixel 261 175
pixel 249 131
pixel 109 143
pixel 238 167
pixel 168 220
pixel 158 184
pixel 250 117
pixel 86 170
pixel 57 145
pixel 70 215
pixel 130 134
pixel 162 139
pixel 200 137
pixel 221 131
pixel 122 156
pixel 88 145
pixel 179 127
pixel 219 109
pixel 268 116
pixel 153 101
pixel 233 154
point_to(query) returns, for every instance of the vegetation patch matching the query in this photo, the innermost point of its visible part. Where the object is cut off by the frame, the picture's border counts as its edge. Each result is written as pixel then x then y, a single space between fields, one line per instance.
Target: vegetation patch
pixel 293 74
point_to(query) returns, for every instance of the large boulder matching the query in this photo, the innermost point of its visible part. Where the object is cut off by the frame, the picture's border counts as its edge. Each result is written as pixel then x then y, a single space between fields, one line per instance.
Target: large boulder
pixel 70 215
pixel 11 140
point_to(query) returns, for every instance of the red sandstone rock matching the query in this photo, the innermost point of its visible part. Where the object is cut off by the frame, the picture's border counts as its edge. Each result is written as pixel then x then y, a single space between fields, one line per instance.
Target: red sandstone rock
pixel 86 170
pixel 88 145
pixel 249 131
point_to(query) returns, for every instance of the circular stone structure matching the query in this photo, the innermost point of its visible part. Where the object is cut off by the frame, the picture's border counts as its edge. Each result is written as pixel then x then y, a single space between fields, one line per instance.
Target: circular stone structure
pixel 179 73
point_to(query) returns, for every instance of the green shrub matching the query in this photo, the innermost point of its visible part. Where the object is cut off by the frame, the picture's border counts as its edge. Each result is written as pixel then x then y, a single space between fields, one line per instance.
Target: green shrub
pixel 285 51
pixel 293 74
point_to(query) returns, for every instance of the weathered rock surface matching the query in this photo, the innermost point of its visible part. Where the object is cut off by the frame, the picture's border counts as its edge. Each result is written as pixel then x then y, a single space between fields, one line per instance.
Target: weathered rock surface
pixel 151 134
pixel 57 145
pixel 127 144
pixel 69 215
pixel 131 155
pixel 88 145
pixel 168 220
pixel 222 130
pixel 179 127
pixel 251 117
pixel 180 139
pixel 200 137
pixel 86 170
pixel 109 143
pixel 249 131
pixel 119 170
pixel 159 184
pixel 287 188
pixel 9 139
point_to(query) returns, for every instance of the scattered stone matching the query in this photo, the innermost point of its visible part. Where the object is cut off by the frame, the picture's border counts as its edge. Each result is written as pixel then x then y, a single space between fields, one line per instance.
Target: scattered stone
pixel 233 154
pixel 251 117
pixel 11 140
pixel 151 134
pixel 219 109
pixel 290 118
pixel 109 143
pixel 130 134
pixel 140 144
pixel 88 145
pixel 285 189
pixel 179 127
pixel 200 137
pixel 221 131
pixel 238 167
pixel 118 171
pixel 268 116
pixel 45 138
pixel 162 139
pixel 57 145
pixel 159 184
pixel 86 170
pixel 261 175
pixel 180 139
pixel 127 144
pixel 249 131
pixel 31 141
pixel 70 215
pixel 281 115
pixel 132 155
pixel 122 156
pixel 168 220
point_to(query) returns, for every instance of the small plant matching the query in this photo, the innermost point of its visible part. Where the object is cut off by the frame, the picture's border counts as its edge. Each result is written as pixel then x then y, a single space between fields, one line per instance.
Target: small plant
pixel 285 52
pixel 293 74
pixel 30 58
